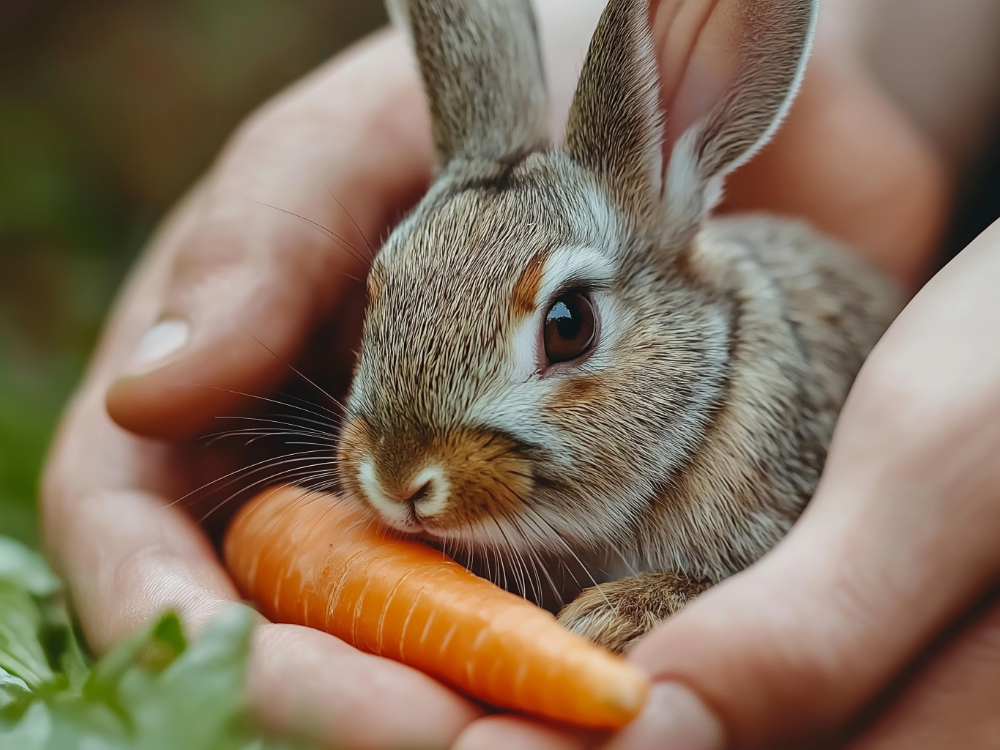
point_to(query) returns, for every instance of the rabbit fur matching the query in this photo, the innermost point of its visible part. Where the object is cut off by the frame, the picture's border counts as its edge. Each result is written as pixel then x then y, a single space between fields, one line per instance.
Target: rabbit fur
pixel 690 438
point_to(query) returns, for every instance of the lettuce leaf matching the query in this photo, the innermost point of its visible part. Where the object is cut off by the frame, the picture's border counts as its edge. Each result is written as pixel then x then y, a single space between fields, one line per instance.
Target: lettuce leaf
pixel 21 652
pixel 26 568
pixel 155 691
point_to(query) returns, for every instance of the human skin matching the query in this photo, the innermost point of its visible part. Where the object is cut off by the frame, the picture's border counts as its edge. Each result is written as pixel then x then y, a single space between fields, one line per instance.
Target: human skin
pixel 237 275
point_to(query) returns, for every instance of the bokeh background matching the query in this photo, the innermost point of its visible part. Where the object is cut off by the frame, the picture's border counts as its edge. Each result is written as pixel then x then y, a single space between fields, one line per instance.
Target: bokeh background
pixel 109 109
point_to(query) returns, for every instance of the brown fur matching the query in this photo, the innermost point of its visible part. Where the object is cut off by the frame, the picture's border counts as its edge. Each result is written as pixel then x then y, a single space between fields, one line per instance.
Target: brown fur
pixel 617 614
pixel 483 468
pixel 374 287
pixel 522 299
pixel 687 443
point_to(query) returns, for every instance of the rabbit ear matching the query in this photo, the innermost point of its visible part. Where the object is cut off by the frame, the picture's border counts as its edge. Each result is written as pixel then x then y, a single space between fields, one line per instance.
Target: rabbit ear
pixel 614 127
pixel 482 71
pixel 724 71
pixel 731 69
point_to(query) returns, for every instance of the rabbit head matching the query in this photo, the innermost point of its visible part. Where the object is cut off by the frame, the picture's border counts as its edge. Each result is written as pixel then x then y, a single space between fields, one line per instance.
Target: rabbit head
pixel 539 360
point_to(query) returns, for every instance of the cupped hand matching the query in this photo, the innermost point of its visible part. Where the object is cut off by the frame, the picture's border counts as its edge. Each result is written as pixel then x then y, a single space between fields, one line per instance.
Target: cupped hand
pixel 875 624
pixel 263 254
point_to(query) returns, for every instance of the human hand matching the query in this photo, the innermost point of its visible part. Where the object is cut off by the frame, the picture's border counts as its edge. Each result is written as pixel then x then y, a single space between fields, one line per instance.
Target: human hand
pixel 242 287
pixel 892 573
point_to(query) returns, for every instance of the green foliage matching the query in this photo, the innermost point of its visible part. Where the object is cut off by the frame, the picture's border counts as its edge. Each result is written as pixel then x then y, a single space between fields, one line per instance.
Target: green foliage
pixel 109 110
pixel 155 691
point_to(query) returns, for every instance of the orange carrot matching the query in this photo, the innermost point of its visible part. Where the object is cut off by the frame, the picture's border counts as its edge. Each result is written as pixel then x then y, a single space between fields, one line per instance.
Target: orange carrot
pixel 315 560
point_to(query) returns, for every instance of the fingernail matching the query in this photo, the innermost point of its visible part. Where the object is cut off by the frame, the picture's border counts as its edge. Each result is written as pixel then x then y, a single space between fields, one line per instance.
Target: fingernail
pixel 158 343
pixel 674 719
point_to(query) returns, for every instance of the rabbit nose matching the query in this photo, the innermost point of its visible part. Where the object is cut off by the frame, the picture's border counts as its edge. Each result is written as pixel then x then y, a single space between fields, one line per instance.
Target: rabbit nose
pixel 427 493
pixel 403 503
pixel 416 496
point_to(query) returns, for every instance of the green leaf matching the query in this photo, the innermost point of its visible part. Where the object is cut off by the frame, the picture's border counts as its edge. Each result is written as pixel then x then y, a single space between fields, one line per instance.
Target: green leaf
pixel 197 702
pixel 73 661
pixel 26 568
pixel 21 653
pixel 87 724
pixel 12 689
pixel 62 646
pixel 32 732
pixel 155 691
pixel 159 644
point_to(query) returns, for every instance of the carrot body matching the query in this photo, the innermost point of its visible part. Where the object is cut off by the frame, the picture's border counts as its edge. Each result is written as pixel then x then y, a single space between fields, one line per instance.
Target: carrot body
pixel 314 560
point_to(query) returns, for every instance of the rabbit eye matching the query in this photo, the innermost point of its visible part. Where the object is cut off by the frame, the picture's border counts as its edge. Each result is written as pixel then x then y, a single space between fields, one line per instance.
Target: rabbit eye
pixel 570 327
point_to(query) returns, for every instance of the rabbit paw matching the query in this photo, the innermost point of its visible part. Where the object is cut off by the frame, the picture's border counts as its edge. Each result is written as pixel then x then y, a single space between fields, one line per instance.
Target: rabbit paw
pixel 616 614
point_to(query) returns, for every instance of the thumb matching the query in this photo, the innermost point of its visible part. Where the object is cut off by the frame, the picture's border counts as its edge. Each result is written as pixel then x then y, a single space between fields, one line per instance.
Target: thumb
pixel 798 645
pixel 898 542
pixel 273 241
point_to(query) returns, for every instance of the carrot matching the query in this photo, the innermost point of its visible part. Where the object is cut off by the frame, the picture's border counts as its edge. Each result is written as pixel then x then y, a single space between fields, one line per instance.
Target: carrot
pixel 317 561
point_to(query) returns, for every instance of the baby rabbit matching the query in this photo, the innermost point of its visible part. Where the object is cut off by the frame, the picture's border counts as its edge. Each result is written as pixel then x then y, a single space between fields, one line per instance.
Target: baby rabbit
pixel 565 355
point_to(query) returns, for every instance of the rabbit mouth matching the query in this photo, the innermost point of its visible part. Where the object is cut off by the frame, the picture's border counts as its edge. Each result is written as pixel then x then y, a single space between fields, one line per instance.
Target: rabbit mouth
pixel 437 484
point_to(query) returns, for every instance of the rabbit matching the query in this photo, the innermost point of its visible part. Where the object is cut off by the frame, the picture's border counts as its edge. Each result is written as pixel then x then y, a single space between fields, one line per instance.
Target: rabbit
pixel 565 355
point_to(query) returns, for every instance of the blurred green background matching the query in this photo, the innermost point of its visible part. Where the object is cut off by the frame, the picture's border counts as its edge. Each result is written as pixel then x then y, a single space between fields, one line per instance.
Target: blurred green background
pixel 109 109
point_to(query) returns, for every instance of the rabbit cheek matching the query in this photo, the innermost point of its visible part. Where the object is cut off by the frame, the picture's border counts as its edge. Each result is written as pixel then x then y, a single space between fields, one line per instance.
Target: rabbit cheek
pixel 488 476
pixel 585 394
pixel 356 444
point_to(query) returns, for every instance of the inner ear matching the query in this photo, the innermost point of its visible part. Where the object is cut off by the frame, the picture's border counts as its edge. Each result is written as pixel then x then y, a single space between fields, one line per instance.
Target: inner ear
pixel 698 45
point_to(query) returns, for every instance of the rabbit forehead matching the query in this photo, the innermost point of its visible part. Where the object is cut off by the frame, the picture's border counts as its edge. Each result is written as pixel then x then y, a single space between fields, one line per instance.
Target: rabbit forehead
pixel 455 284
pixel 496 212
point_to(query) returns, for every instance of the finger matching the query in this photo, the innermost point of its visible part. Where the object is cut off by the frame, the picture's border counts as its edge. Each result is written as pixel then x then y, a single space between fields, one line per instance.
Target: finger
pixel 670 711
pixel 309 681
pixel 279 231
pixel 502 732
pixel 849 161
pixel 126 558
pixel 953 701
pixel 899 540
pixel 127 555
